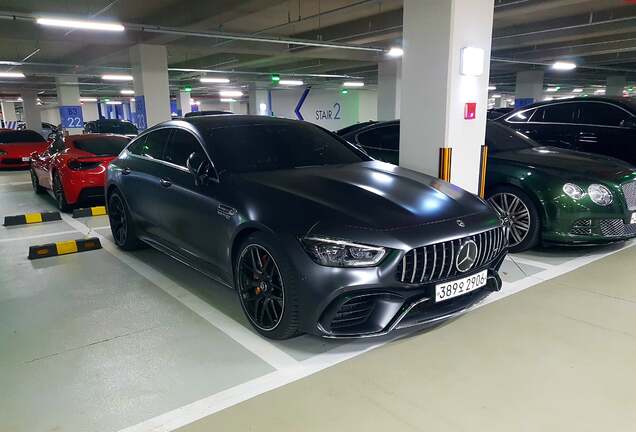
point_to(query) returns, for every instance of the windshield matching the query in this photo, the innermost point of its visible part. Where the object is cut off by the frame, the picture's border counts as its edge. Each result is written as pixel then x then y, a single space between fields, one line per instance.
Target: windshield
pixel 500 138
pixel 266 147
pixel 117 127
pixel 102 145
pixel 18 137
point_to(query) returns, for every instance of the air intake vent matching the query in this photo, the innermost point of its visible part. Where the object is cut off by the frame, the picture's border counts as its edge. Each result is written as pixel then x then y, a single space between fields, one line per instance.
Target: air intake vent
pixel 353 312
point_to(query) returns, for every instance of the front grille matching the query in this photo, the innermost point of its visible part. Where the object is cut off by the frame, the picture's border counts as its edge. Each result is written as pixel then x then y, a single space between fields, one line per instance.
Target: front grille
pixel 353 312
pixel 629 191
pixel 436 262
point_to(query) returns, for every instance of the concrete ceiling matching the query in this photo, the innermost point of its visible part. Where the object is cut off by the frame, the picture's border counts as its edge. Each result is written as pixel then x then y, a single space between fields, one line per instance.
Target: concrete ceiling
pixel 600 35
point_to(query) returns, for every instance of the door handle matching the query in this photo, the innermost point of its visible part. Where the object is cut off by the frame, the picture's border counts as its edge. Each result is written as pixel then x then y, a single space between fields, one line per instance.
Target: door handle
pixel 165 182
pixel 126 171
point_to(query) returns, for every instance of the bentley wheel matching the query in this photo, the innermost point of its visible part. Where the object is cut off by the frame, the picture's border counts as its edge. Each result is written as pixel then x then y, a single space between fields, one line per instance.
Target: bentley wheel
pixel 121 223
pixel 58 192
pixel 36 183
pixel 266 288
pixel 520 214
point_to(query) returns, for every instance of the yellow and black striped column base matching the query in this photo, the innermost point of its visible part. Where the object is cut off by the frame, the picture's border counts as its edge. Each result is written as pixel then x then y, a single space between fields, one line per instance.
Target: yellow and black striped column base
pixel 445 161
pixel 31 218
pixel 64 248
pixel 88 212
pixel 483 164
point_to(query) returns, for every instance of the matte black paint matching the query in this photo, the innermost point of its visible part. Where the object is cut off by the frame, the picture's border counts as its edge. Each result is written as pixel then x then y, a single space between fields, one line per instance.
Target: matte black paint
pixel 370 202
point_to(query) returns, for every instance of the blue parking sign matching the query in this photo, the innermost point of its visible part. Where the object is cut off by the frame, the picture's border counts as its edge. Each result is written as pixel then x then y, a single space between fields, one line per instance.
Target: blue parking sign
pixel 71 117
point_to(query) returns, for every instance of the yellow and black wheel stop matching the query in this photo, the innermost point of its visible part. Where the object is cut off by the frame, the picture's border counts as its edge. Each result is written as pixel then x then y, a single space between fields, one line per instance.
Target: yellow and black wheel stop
pixel 31 218
pixel 88 212
pixel 64 248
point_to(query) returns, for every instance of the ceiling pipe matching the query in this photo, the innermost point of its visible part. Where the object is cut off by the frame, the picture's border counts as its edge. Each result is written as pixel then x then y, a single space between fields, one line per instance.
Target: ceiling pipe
pixel 535 63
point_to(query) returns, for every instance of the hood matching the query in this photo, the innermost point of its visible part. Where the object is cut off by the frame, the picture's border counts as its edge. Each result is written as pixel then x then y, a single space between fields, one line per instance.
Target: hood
pixel 371 194
pixel 566 163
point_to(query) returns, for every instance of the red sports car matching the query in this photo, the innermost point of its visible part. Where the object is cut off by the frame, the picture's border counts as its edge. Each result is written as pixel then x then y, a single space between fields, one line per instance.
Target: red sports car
pixel 16 147
pixel 73 168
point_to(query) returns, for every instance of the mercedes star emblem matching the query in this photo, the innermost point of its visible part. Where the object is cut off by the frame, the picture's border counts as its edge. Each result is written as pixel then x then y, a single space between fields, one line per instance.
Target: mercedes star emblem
pixel 466 256
pixel 461 223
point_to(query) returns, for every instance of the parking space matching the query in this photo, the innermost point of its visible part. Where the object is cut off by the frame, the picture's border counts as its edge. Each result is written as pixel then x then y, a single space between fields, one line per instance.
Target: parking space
pixel 105 340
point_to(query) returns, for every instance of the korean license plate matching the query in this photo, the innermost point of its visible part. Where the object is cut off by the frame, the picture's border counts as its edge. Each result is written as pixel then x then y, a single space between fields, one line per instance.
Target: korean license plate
pixel 633 221
pixel 26 159
pixel 458 287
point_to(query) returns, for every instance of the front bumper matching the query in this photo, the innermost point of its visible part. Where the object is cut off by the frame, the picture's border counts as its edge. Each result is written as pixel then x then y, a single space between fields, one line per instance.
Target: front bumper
pixel 360 314
pixel 590 231
pixel 13 162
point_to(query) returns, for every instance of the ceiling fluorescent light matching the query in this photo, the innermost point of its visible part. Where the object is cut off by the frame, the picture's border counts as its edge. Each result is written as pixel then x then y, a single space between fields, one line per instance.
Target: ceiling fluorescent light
pixel 88 99
pixel 117 77
pixel 552 89
pixel 496 96
pixel 472 61
pixel 211 80
pixel 563 66
pixel 291 82
pixel 230 93
pixel 577 90
pixel 11 75
pixel 127 92
pixel 114 103
pixel 80 24
pixel 395 52
pixel 492 88
pixel 353 84
pixel 227 100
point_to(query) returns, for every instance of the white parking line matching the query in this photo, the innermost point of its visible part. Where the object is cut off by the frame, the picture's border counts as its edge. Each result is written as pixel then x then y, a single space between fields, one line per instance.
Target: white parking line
pixel 256 344
pixel 197 410
pixel 37 236
pixel 16 183
pixel 534 263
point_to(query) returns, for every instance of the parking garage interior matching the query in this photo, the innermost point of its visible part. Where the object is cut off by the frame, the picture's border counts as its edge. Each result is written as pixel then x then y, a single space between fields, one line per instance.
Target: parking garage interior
pixel 94 337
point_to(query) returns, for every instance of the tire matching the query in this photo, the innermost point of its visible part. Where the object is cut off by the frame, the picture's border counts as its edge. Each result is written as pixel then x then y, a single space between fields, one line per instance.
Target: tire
pixel 36 183
pixel 121 223
pixel 521 214
pixel 264 288
pixel 60 197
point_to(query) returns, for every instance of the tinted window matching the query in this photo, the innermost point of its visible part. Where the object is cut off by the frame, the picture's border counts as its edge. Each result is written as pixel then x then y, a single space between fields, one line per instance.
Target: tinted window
pixel 102 145
pixel 521 117
pixel 248 148
pixel 386 138
pixel 16 137
pixel 500 139
pixel 181 146
pixel 602 114
pixel 152 144
pixel 558 113
pixel 116 127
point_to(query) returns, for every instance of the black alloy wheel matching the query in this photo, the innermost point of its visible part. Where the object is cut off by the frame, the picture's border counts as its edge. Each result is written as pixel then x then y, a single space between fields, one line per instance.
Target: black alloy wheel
pixel 261 287
pixel 121 225
pixel 36 183
pixel 58 192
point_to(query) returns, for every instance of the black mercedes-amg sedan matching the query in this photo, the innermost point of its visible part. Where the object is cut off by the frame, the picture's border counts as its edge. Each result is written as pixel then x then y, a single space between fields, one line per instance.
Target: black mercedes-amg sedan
pixel 313 234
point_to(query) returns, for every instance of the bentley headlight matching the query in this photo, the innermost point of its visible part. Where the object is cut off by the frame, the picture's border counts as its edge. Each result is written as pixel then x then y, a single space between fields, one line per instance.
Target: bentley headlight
pixel 600 195
pixel 339 253
pixel 573 191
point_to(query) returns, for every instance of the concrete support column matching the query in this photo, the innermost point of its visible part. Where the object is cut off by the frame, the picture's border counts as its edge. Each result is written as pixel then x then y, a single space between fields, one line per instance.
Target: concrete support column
pixel 258 101
pixel 389 83
pixel 435 94
pixel 616 85
pixel 31 115
pixel 152 93
pixel 68 95
pixel 529 87
pixel 8 112
pixel 183 102
pixel 89 111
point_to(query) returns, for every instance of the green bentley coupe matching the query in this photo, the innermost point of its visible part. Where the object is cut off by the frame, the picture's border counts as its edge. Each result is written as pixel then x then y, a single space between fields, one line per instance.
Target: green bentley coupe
pixel 547 195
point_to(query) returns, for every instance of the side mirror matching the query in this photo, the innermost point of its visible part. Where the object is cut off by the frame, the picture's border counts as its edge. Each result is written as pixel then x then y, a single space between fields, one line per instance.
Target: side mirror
pixel 629 123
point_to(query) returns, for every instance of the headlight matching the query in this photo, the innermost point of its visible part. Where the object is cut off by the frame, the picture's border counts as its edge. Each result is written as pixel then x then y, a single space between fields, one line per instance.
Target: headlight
pixel 573 191
pixel 600 195
pixel 2 152
pixel 338 253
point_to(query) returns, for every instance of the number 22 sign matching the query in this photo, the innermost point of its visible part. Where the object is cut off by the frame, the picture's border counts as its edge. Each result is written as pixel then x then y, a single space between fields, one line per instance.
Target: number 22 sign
pixel 71 117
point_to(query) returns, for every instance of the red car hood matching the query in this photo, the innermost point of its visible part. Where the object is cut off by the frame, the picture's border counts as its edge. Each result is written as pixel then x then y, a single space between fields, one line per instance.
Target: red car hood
pixel 19 150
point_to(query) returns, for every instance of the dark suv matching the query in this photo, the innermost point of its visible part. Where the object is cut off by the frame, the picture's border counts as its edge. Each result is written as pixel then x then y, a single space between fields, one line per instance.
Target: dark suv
pixel 596 125
pixel 111 126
